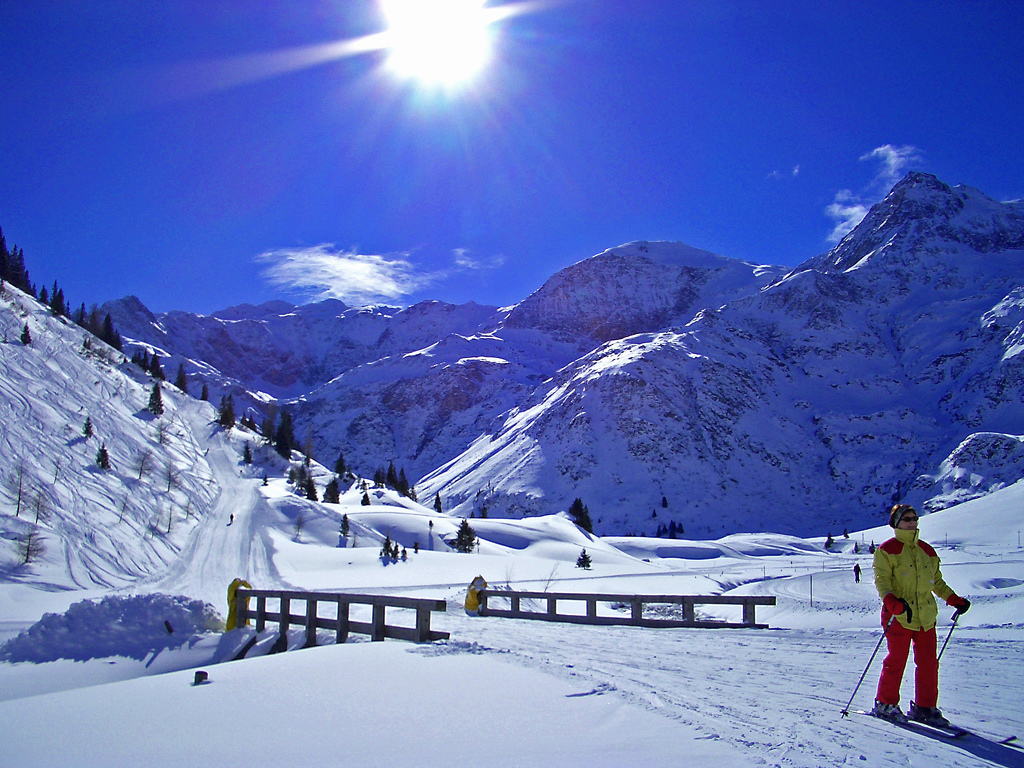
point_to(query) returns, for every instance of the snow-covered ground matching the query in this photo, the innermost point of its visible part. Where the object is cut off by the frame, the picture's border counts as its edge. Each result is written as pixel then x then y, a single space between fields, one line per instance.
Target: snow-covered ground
pixel 499 692
pixel 514 692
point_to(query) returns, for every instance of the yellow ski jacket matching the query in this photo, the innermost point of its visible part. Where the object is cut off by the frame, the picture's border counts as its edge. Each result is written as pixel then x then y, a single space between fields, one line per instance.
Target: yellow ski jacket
pixel 909 569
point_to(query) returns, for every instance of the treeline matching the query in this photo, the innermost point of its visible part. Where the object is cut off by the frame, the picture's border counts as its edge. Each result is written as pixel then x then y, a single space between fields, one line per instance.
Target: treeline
pixel 13 270
pixel 395 480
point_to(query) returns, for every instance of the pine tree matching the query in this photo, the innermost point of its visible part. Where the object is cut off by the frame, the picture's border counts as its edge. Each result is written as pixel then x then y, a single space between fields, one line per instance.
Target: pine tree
pixel 205 394
pixel 339 466
pixel 284 437
pixel 57 301
pixel 402 486
pixel 226 416
pixel 580 515
pixel 385 550
pixel 154 367
pixel 465 539
pixel 102 457
pixel 583 561
pixel 156 400
pixel 344 526
pixel 87 428
pixel 3 256
pixel 366 499
pixel 437 503
pixel 26 337
pixel 181 380
pixel 247 454
pixel 311 489
pixel 391 478
pixel 332 493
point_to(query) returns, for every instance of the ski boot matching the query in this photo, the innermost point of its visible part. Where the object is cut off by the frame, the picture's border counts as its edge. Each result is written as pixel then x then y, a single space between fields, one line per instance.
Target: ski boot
pixel 890 712
pixel 928 715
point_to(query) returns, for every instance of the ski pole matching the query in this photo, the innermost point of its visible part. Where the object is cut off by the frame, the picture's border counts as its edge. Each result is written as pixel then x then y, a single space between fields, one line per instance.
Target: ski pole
pixel 956 617
pixel 846 709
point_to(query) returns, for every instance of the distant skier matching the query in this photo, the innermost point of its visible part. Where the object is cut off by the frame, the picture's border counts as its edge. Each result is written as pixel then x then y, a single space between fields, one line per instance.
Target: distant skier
pixel 231 519
pixel 906 574
pixel 856 573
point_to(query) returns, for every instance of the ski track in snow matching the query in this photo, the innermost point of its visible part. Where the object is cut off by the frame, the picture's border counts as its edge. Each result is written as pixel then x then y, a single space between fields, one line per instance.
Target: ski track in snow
pixel 777 694
pixel 218 552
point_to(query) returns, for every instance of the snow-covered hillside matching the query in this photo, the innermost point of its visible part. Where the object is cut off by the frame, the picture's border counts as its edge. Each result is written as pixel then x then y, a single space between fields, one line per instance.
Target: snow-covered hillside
pixel 663 384
pixel 100 528
pixel 499 692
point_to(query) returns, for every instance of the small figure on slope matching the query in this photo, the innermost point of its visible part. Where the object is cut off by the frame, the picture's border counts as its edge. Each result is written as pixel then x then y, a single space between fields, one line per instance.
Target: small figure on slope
pixel 906 574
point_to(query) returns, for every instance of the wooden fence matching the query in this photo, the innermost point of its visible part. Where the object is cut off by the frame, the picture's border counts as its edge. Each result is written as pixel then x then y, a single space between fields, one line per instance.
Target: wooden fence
pixel 377 628
pixel 635 602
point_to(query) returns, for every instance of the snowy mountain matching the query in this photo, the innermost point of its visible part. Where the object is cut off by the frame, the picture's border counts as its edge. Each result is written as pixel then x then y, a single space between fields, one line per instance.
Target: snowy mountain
pixel 660 383
pixel 810 405
pixel 284 350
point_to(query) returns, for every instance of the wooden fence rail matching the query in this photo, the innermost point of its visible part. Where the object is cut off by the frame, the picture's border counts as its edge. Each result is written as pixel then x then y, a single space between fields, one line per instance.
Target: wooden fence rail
pixel 377 628
pixel 636 603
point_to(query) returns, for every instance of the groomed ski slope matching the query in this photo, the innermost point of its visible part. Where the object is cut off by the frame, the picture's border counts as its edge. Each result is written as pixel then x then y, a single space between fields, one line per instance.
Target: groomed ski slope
pixel 520 693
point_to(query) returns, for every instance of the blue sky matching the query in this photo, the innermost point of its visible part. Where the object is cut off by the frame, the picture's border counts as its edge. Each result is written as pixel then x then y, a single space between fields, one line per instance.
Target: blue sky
pixel 201 155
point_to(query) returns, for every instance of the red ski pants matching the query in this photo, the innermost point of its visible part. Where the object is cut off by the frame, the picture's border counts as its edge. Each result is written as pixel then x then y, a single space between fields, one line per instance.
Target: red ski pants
pixel 926 679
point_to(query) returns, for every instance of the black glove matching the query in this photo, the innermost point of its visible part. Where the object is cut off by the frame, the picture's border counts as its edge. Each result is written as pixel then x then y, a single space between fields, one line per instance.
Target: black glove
pixel 962 604
pixel 906 609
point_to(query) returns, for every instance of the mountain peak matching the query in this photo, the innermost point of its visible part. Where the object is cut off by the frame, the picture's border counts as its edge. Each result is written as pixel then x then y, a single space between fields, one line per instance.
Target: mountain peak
pixel 634 288
pixel 921 212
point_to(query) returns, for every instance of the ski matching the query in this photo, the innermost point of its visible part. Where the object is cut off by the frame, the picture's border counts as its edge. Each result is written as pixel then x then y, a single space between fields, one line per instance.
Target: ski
pixel 952 732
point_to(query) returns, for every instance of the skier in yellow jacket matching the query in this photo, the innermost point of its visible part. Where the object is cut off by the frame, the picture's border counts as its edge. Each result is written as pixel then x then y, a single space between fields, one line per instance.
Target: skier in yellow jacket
pixel 906 576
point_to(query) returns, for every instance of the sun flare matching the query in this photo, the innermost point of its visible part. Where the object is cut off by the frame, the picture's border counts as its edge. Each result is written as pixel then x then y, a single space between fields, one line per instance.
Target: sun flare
pixel 437 42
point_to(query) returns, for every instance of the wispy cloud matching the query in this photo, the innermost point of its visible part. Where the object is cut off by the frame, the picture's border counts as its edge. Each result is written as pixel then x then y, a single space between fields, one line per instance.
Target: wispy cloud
pixel 780 175
pixel 466 261
pixel 849 208
pixel 895 161
pixel 321 272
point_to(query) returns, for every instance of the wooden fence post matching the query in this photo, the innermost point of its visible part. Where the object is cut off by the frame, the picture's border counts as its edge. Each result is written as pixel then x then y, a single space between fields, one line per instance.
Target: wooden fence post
pixel 423 623
pixel 261 613
pixel 637 610
pixel 281 644
pixel 241 610
pixel 310 622
pixel 342 631
pixel 378 622
pixel 688 612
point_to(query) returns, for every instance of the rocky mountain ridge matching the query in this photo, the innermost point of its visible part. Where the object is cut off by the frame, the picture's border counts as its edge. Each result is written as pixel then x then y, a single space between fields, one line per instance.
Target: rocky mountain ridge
pixel 662 383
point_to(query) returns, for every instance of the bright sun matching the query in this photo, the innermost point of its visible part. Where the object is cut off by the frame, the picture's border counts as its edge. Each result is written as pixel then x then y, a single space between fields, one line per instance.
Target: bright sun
pixel 438 42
